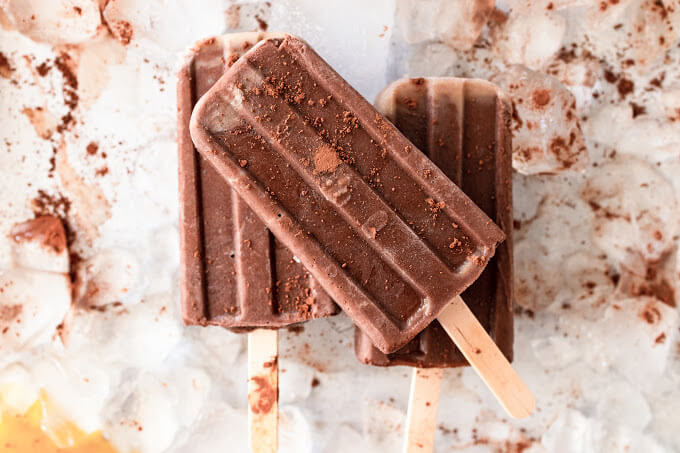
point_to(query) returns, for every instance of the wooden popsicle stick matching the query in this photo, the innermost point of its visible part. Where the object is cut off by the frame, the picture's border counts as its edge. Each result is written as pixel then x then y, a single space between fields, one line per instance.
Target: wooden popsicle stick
pixel 421 419
pixel 487 360
pixel 263 390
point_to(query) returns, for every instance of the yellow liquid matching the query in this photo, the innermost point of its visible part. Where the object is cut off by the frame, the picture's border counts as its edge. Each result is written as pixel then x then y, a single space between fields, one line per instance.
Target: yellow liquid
pixel 31 433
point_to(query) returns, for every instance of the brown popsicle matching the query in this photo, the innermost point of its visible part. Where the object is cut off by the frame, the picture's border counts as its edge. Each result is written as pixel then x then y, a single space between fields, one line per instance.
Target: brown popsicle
pixel 235 274
pixel 462 126
pixel 383 230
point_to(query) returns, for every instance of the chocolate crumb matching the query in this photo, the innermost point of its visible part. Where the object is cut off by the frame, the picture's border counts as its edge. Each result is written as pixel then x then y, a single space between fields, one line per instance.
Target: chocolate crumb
pixel 625 87
pixel 122 31
pixel 541 97
pixel 638 109
pixel 43 68
pixel 610 77
pixel 5 67
pixel 232 59
pixel 261 23
pixel 70 89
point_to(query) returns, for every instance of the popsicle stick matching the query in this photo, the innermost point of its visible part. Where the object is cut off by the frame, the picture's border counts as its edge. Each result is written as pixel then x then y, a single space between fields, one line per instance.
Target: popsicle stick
pixel 263 390
pixel 487 360
pixel 421 419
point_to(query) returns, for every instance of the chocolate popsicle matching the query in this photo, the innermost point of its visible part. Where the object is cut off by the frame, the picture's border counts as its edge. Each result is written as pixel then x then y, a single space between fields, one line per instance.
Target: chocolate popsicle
pixel 462 126
pixel 235 274
pixel 383 230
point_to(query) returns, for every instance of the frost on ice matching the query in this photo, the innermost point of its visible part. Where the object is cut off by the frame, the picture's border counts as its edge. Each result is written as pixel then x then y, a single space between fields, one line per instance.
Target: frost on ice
pixel 456 23
pixel 547 136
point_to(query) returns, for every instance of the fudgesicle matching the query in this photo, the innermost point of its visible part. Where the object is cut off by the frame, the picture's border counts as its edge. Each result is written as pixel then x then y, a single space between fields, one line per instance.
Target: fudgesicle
pixel 389 237
pixel 235 274
pixel 462 125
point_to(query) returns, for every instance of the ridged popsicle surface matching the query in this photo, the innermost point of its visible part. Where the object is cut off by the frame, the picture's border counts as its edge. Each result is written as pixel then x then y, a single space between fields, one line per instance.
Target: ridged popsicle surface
pixel 234 272
pixel 390 238
pixel 462 125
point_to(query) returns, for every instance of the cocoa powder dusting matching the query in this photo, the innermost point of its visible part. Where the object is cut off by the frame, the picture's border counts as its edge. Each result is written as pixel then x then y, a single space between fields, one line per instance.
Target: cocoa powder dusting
pixel 5 67
pixel 261 23
pixel 325 160
pixel 122 31
pixel 625 87
pixel 10 312
pixel 650 314
pixel 263 398
pixel 541 97
pixel 46 229
pixel 43 68
pixel 70 89
pixel 638 109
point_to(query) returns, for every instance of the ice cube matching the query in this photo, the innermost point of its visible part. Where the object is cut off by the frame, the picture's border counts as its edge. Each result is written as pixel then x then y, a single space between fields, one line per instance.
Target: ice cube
pixel 296 383
pixel 344 438
pixel 77 386
pixel 637 30
pixel 530 39
pixel 641 327
pixel 220 427
pixel 55 21
pixel 460 22
pixel 18 391
pixel 112 275
pixel 624 403
pixel 456 23
pixel 547 137
pixel 172 26
pixel 382 424
pixel 432 60
pixel 140 335
pixel 636 212
pixel 40 244
pixel 666 408
pixel 416 19
pixel 580 72
pixel 294 431
pixel 553 239
pixel 142 416
pixel 218 344
pixel 32 305
pixel 192 387
pixel 622 439
pixel 527 196
pixel 649 138
pixel 572 431
pixel 598 125
pixel 554 352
